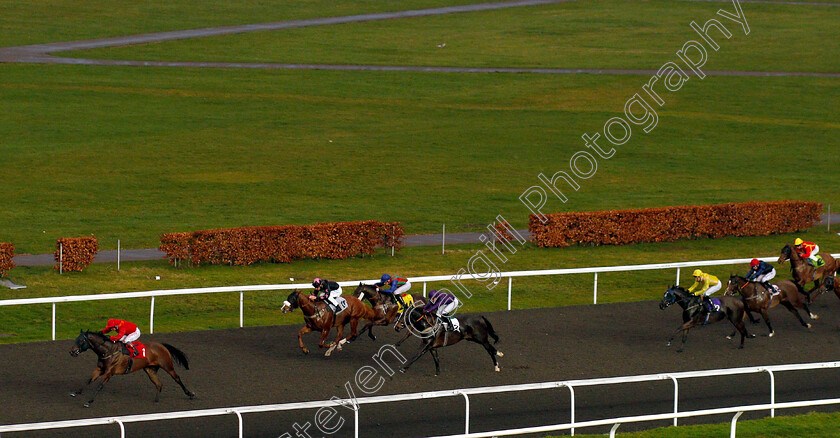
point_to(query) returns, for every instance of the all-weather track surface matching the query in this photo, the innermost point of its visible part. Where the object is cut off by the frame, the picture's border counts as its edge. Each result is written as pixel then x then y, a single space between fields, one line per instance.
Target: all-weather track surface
pixel 263 365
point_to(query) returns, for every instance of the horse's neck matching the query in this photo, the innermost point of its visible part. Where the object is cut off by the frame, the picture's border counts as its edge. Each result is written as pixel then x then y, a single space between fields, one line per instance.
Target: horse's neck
pixel 101 346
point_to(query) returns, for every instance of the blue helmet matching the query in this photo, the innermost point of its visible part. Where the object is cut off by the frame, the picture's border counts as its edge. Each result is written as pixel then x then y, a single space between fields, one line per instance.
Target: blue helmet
pixel 385 277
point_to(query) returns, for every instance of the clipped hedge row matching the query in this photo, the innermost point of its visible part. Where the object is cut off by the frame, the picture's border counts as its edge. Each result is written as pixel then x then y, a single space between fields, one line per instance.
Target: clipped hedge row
pixel 75 253
pixel 281 243
pixel 618 227
pixel 7 258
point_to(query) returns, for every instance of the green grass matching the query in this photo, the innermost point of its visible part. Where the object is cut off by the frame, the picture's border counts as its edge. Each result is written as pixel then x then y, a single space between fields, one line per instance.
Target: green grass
pixel 214 311
pixel 810 425
pixel 49 21
pixel 582 34
pixel 128 153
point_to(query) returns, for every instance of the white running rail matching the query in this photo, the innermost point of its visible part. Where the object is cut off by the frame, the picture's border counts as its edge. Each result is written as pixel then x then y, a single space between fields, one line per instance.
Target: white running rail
pixel 424 280
pixel 356 404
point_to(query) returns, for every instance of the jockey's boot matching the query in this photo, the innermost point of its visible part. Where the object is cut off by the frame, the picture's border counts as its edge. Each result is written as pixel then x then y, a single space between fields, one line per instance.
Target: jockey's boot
pixel 400 301
pixel 767 286
pixel 448 324
pixel 132 350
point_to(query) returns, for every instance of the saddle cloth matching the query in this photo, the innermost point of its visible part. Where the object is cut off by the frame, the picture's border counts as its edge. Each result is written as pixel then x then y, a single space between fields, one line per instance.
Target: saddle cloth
pixel 456 325
pixel 141 350
pixel 407 299
pixel 342 305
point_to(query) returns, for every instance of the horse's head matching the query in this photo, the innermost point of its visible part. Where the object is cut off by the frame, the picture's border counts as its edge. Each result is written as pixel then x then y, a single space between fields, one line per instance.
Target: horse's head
pixel 733 286
pixel 669 298
pixel 787 253
pixel 80 344
pixel 365 291
pixel 291 302
pixel 418 322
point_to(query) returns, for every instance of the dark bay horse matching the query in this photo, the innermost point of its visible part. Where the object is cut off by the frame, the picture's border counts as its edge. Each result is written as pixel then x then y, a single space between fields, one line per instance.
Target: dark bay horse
pixel 696 313
pixel 425 325
pixel 757 299
pixel 804 273
pixel 385 307
pixel 112 360
pixel 318 317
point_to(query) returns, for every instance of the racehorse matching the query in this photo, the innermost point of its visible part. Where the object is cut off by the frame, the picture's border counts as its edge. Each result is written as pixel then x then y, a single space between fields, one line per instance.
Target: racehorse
pixel 113 360
pixel 427 326
pixel 760 300
pixel 804 273
pixel 696 312
pixel 318 317
pixel 385 307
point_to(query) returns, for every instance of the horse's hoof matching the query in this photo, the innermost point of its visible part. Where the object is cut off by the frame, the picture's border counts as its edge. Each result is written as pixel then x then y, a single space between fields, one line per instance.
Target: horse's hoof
pixel 500 354
pixel 740 347
pixel 72 394
pixel 813 316
pixel 343 341
pixel 498 369
pixel 87 405
pixel 751 335
pixel 809 326
pixel 771 334
pixel 192 396
pixel 305 351
pixel 373 338
pixel 729 337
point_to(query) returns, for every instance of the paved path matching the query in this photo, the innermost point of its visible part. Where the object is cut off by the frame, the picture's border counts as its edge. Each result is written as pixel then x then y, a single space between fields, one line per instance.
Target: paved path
pixel 41 53
pixel 130 255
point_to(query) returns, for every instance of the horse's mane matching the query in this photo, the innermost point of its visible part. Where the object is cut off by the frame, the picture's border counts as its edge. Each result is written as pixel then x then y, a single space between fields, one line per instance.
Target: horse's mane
pixel 98 334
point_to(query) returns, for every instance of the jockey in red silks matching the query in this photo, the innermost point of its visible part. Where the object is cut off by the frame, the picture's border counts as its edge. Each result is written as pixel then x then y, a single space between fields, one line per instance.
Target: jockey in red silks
pixel 808 251
pixel 127 333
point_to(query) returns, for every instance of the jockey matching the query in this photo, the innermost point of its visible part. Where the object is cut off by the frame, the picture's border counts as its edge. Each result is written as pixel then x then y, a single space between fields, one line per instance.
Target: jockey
pixel 127 333
pixel 761 272
pixel 706 284
pixel 443 305
pixel 326 290
pixel 396 287
pixel 807 250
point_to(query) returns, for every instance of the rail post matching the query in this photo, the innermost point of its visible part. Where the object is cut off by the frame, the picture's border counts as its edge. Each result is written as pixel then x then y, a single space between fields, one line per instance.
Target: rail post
pixel 595 290
pixel 572 408
pixel 734 421
pixel 467 416
pixel 152 317
pixel 772 392
pixel 510 290
pixel 239 419
pixel 241 309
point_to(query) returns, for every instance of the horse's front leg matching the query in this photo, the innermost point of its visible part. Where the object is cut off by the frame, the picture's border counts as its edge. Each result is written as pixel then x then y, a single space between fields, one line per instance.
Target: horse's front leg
pixel 407 335
pixel 96 373
pixel 105 378
pixel 434 353
pixel 685 328
pixel 302 331
pixel 420 354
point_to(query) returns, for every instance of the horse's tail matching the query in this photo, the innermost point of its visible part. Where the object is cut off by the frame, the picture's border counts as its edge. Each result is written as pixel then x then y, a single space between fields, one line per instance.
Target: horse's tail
pixel 490 330
pixel 179 356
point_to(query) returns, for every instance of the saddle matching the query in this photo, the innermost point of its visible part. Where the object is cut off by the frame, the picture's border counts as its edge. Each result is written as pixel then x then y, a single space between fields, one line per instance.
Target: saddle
pixel 342 305
pixel 139 350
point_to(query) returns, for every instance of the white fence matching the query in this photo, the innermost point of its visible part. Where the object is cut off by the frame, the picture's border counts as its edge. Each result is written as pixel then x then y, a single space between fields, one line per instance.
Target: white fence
pixel 356 404
pixel 424 280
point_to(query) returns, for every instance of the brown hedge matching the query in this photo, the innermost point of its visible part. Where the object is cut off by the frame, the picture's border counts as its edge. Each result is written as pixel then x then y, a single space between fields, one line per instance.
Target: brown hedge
pixel 75 253
pixel 618 227
pixel 281 243
pixel 7 258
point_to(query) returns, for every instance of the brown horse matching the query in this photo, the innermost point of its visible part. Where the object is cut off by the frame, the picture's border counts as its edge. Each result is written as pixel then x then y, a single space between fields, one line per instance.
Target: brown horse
pixel 386 307
pixel 758 299
pixel 804 273
pixel 426 326
pixel 114 360
pixel 318 317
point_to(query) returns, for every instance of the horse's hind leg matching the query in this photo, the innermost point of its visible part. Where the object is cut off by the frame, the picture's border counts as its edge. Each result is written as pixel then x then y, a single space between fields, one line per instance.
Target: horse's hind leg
pixel 795 312
pixel 96 373
pixel 422 351
pixel 434 353
pixel 493 353
pixel 152 373
pixel 171 371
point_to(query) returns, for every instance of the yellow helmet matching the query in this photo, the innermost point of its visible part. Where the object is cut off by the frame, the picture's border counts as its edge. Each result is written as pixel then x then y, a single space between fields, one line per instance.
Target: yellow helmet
pixel 697 273
pixel 798 241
